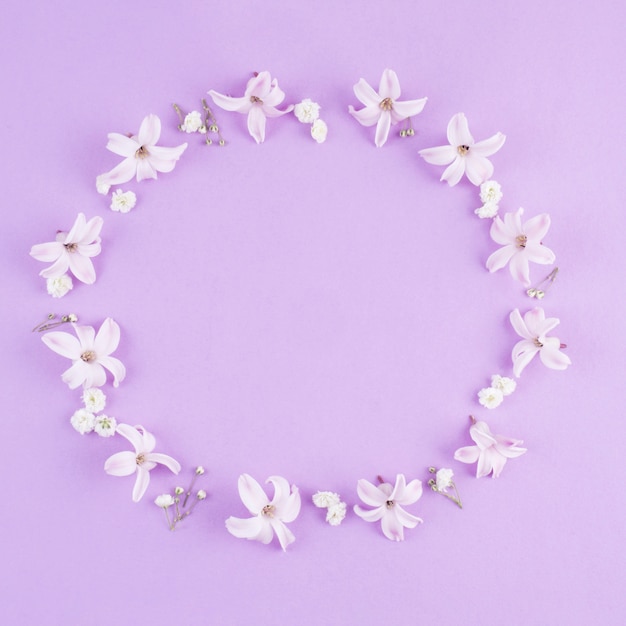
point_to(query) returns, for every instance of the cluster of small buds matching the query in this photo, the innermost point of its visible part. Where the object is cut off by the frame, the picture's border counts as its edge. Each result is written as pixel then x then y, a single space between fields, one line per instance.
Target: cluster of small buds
pixel 501 386
pixel 308 112
pixel 409 131
pixel 123 201
pixel 181 511
pixel 336 509
pixel 86 420
pixel 442 482
pixel 59 286
pixel 490 196
pixel 70 318
pixel 193 122
pixel 540 290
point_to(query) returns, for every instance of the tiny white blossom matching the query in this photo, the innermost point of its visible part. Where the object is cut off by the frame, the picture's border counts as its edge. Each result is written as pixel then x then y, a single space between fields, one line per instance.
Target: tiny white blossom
pixel 490 192
pixel 164 501
pixel 201 495
pixel 336 513
pixel 319 130
pixel 307 111
pixel 105 426
pixel 444 479
pixel 59 286
pixel 83 421
pixel 325 499
pixel 102 186
pixel 504 384
pixel 123 201
pixel 72 317
pixel 490 398
pixel 193 122
pixel 489 209
pixel 94 400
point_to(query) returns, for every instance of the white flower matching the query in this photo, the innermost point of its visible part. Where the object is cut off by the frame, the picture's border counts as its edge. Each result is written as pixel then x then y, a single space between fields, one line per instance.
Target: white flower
pixel 59 286
pixel 123 201
pixel 83 421
pixel 94 400
pixel 444 479
pixel 336 513
pixel 490 398
pixel 102 186
pixel 105 426
pixel 489 209
pixel 164 501
pixel 490 192
pixel 504 384
pixel 325 499
pixel 201 495
pixel 193 122
pixel 319 130
pixel 307 111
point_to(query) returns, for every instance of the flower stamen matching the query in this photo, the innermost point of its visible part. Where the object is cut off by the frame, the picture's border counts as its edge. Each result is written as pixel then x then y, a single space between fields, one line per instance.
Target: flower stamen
pixel 256 100
pixel 386 104
pixel 71 247
pixel 521 241
pixel 142 153
pixel 390 504
pixel 268 510
pixel 463 149
pixel 537 342
pixel 88 356
pixel 140 460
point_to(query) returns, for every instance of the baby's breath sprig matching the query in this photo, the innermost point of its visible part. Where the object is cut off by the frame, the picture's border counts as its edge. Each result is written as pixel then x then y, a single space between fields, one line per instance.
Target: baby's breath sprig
pixel 166 500
pixel 193 122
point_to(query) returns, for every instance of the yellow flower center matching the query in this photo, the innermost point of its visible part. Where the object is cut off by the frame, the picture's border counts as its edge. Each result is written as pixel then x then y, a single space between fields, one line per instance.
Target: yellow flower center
pixel 463 150
pixel 88 356
pixel 140 459
pixel 386 104
pixel 521 241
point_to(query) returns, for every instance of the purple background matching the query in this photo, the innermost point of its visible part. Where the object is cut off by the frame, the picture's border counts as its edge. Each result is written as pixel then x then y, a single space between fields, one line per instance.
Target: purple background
pixel 321 312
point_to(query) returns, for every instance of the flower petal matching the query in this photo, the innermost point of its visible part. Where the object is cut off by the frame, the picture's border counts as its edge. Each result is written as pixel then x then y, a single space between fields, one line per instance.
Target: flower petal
pixel 141 483
pixel 76 375
pixel 510 448
pixel 468 454
pixel 121 173
pixel 370 494
pixel 371 515
pixel 537 227
pixel 519 268
pixel 259 85
pixel 481 435
pixel 149 131
pixel 498 259
pixel 121 464
pixel 145 170
pixel 458 131
pixel 122 145
pixel 58 268
pixel 251 494
pixel 391 526
pixel 254 528
pixel 522 354
pixel 275 96
pixel 95 376
pixel 269 111
pixel 241 105
pixel 552 357
pixel 133 435
pixel 164 459
pixel 519 326
pixel 285 536
pixel 116 367
pixel 441 155
pixel 478 169
pixel 367 116
pixel 538 253
pixel 63 343
pixel 382 129
pixel 256 124
pixel 490 146
pixel 485 462
pixel 497 464
pixel 108 338
pixel 366 94
pixel 405 518
pixel 454 172
pixel 47 252
pixel 82 267
pixel 411 493
pixel 164 159
pixel 389 86
pixel 408 108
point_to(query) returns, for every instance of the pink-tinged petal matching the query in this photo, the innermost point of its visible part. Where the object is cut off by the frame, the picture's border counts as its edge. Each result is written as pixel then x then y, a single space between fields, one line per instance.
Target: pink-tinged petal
pixel 64 344
pixel 503 232
pixel 259 85
pixel 367 116
pixel 256 124
pixel 133 435
pixel 108 338
pixel 149 131
pixel 121 464
pixel 370 494
pixel 382 129
pixel 285 536
pixel 116 367
pixel 498 259
pixel 490 146
pixel 535 321
pixel 412 492
pixel 389 86
pixel 458 131
pixel 372 515
pixel 478 169
pixel 274 112
pixel 76 375
pixel 481 435
pixel 86 335
pixel 406 519
pixel 408 108
pixel 122 145
pixel 441 155
pixel 275 96
pixel 78 229
pixel 92 230
pixel 366 94
pixel 537 227
pixel 545 327
pixel 141 483
pixel 121 173
pixel 468 454
pixel 553 358
pixel 391 526
pixel 164 459
pixel 497 464
pixel 82 268
pixel 291 509
pixel 89 250
pixel 454 172
pixel 147 438
pixel 519 268
pixel 522 354
pixel 510 448
pixel 241 105
pixel 164 159
pixel 47 252
pixel 485 462
pixel 251 494
pixel 95 376
pixel 398 488
pixel 538 253
pixel 281 490
pixel 519 326
pixel 145 170
pixel 253 528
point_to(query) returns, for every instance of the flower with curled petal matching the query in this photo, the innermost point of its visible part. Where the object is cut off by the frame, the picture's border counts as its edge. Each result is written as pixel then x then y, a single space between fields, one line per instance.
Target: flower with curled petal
pixel 141 461
pixel 387 500
pixel 72 251
pixel 90 354
pixel 491 451
pixel 259 102
pixel 533 328
pixel 269 516
pixel 142 157
pixel 383 108
pixel 464 155
pixel 521 244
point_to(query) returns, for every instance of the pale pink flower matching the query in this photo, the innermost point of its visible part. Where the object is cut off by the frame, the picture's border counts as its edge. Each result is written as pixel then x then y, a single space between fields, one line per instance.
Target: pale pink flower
pixel 141 461
pixel 72 251
pixel 491 451
pixel 533 328
pixel 269 516
pixel 464 155
pixel 521 244
pixel 387 500
pixel 383 108
pixel 142 157
pixel 90 354
pixel 259 102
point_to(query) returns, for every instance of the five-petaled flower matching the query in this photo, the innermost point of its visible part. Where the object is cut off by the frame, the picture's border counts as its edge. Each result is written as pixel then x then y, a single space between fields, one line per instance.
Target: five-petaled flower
pixel 521 243
pixel 270 516
pixel 90 354
pixel 72 251
pixel 383 108
pixel 141 461
pixel 491 451
pixel 464 155
pixel 259 101
pixel 533 328
pixel 142 157
pixel 386 499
